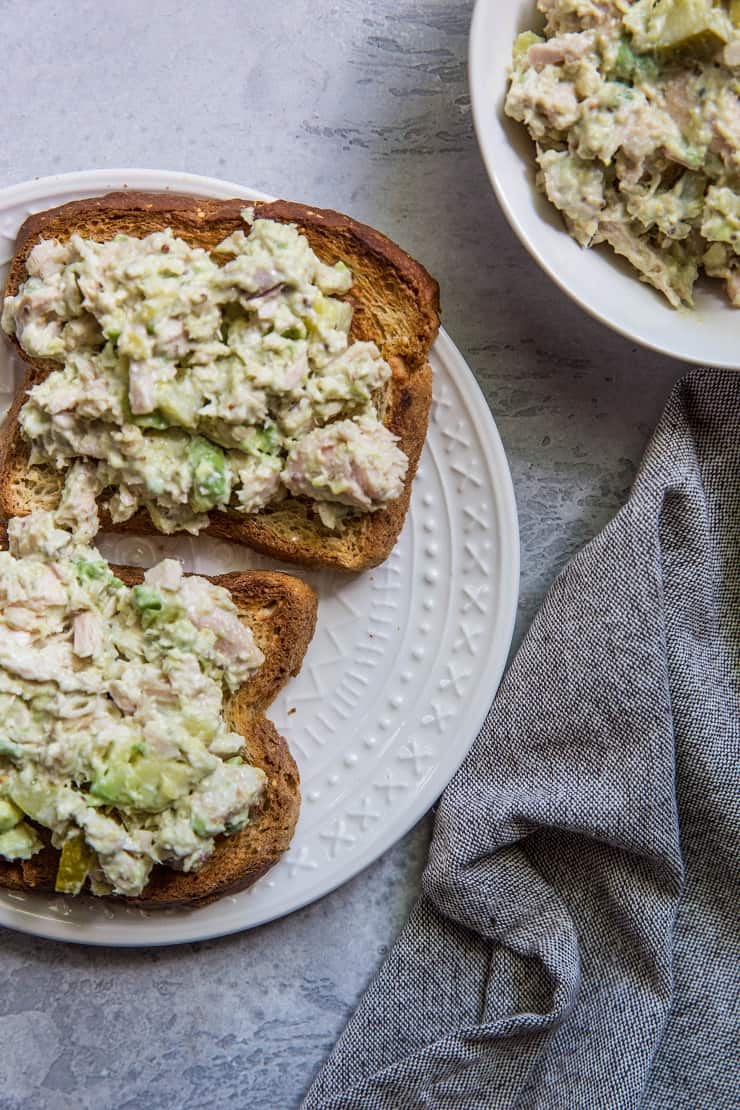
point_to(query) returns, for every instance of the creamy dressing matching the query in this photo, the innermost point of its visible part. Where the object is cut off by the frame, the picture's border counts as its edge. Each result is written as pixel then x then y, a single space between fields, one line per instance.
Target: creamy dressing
pixel 635 109
pixel 198 381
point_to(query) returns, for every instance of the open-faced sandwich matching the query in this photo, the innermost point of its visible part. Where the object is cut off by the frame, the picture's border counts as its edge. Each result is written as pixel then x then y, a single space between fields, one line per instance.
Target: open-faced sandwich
pixel 258 371
pixel 135 756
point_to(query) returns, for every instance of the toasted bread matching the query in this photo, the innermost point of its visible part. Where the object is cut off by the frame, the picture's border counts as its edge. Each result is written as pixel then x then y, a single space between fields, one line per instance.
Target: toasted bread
pixel 281 610
pixel 396 304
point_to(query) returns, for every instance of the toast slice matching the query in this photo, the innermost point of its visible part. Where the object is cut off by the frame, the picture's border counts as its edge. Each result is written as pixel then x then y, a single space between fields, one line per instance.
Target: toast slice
pixel 281 610
pixel 396 305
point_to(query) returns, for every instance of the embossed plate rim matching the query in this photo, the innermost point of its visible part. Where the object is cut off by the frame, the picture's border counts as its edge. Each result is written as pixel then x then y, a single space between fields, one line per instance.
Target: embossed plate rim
pixel 127 928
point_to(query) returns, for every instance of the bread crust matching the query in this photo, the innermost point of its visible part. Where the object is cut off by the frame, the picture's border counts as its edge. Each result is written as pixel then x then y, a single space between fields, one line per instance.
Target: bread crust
pixel 281 610
pixel 396 305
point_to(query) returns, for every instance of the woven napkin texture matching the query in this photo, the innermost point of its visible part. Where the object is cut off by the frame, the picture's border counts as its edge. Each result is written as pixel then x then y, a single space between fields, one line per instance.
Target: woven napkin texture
pixel 575 944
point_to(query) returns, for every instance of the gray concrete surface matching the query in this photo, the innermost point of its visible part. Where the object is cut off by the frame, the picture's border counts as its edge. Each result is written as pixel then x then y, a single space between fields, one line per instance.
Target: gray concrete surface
pixel 363 106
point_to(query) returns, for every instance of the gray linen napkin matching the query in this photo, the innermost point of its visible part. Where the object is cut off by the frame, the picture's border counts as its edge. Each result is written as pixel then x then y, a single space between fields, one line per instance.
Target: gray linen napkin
pixel 575 942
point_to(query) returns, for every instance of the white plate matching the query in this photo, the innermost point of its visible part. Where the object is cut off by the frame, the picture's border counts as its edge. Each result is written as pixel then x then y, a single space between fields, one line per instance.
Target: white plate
pixel 597 280
pixel 400 674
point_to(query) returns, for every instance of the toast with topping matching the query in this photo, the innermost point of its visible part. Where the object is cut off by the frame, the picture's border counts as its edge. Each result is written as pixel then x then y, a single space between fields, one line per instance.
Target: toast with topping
pixel 395 306
pixel 281 612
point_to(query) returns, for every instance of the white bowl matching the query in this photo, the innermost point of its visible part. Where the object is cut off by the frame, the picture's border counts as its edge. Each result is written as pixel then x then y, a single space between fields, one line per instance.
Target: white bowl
pixel 602 284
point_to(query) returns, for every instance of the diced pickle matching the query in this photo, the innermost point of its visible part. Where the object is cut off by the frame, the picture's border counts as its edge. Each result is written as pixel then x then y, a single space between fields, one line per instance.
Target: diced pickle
pixel 673 24
pixel 75 864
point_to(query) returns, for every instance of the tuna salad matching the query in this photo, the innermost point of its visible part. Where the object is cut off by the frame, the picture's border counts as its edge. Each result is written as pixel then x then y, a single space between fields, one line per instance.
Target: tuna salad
pixel 114 737
pixel 196 380
pixel 635 109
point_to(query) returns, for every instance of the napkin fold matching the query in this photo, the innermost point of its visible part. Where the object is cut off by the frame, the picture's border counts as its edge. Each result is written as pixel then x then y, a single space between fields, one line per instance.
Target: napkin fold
pixel 575 943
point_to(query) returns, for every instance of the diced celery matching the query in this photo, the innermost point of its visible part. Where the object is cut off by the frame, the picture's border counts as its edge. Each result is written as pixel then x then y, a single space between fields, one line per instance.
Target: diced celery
pixel 624 63
pixel 168 614
pixel 89 570
pixel 266 439
pixel 145 597
pixel 646 68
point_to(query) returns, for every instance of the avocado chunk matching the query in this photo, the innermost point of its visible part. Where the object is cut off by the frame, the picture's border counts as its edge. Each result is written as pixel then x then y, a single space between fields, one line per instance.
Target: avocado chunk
pixel 20 842
pixel 211 477
pixel 178 404
pixel 330 313
pixel 10 815
pixel 523 42
pixel 33 799
pixel 130 781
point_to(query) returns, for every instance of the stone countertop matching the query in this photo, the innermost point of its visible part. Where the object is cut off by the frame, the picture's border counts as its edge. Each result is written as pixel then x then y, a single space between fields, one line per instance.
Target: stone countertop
pixel 364 107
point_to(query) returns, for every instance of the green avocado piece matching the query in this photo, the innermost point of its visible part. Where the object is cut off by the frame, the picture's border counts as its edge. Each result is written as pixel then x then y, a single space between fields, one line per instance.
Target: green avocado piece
pixel 523 42
pixel 330 313
pixel 10 815
pixel 33 800
pixel 143 783
pixel 178 404
pixel 211 477
pixel 20 842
